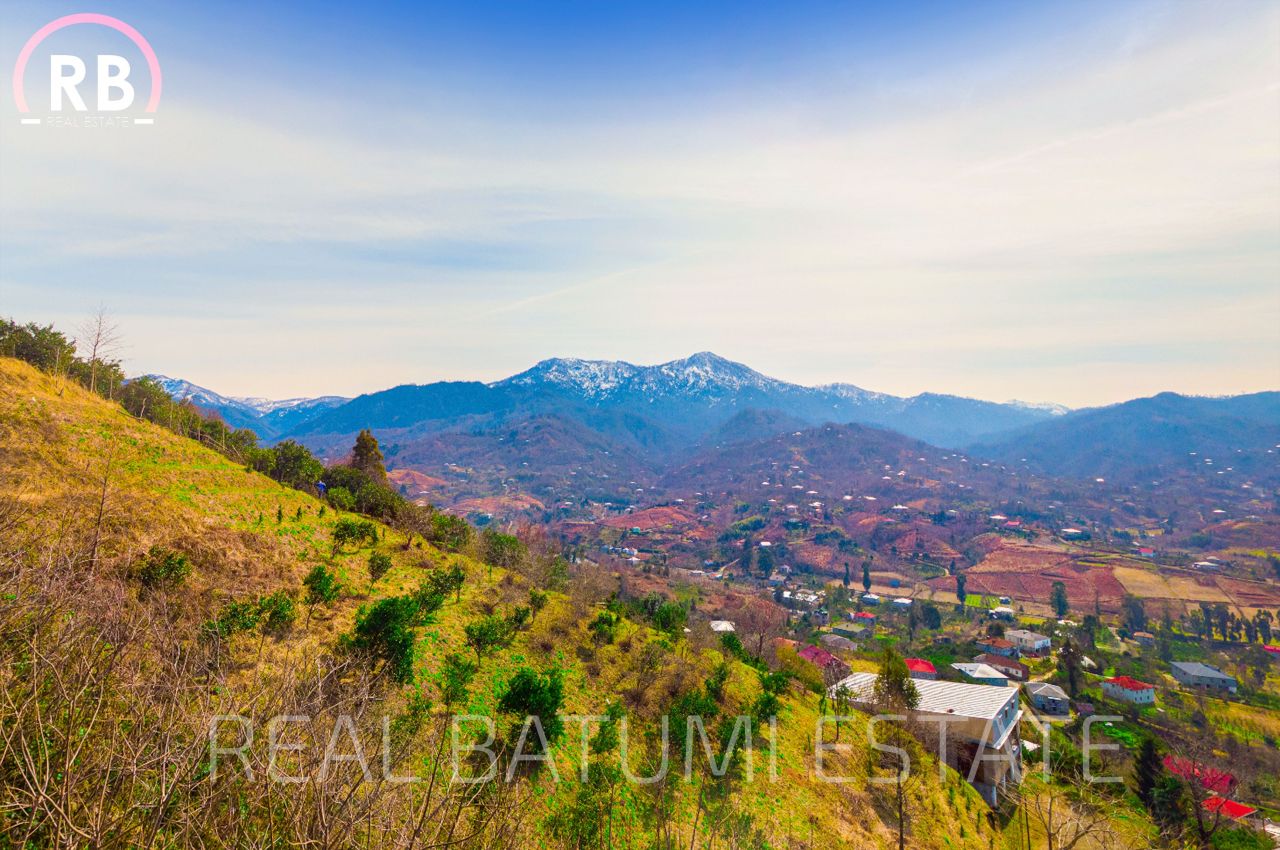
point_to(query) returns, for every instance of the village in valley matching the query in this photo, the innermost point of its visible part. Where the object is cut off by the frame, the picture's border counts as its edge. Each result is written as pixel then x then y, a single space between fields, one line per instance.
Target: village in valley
pixel 1026 628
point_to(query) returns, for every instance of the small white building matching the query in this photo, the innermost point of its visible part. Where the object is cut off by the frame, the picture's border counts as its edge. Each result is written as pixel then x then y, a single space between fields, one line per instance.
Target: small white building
pixel 721 626
pixel 1028 642
pixel 1129 689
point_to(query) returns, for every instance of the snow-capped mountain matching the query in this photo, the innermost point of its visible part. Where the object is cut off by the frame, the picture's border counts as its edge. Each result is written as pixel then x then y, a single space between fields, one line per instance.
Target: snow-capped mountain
pixel 702 373
pixel 267 417
pixel 665 407
pixel 697 394
pixel 1046 406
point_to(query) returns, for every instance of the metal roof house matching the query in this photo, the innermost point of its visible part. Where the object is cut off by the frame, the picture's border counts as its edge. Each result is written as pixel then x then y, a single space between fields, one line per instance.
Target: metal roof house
pixel 983 673
pixel 981 726
pixel 1197 675
pixel 1048 698
pixel 1029 642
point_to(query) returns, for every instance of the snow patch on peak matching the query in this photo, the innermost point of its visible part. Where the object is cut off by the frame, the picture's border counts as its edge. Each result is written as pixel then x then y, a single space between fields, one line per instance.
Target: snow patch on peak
pixel 1045 406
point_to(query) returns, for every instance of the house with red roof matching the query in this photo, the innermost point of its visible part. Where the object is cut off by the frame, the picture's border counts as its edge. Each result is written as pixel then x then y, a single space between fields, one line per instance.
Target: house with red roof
pixel 1230 808
pixel 864 618
pixel 1015 670
pixel 1129 689
pixel 824 661
pixel 1211 778
pixel 998 646
pixel 921 669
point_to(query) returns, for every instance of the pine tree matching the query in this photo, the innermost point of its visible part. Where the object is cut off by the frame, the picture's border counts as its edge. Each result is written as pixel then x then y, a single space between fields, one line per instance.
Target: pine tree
pixel 367 457
pixel 846 573
pixel 866 576
pixel 1146 770
pixel 1058 598
pixel 894 689
pixel 1069 661
pixel 961 579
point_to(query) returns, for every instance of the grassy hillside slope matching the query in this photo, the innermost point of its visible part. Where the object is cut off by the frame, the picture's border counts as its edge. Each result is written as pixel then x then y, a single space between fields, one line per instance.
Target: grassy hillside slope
pixel 106 688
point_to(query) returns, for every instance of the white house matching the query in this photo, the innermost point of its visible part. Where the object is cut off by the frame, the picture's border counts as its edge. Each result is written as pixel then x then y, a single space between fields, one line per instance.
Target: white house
pixel 721 626
pixel 981 725
pixel 1129 689
pixel 1028 642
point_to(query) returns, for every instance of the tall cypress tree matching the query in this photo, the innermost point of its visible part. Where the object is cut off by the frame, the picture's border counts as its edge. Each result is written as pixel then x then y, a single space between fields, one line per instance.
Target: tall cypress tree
pixel 1147 770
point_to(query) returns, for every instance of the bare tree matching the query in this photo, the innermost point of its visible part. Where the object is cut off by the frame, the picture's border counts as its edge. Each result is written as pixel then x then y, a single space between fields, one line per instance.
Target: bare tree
pixel 1070 813
pixel 100 338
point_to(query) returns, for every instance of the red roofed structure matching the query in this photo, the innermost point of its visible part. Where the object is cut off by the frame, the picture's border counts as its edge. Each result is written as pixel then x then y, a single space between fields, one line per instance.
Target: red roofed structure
pixel 921 669
pixel 1129 689
pixel 824 660
pixel 1211 778
pixel 1230 808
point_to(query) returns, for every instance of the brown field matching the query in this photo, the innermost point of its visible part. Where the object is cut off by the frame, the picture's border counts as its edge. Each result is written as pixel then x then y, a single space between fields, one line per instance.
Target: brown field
pixel 652 519
pixel 1027 572
pixel 1152 584
pixel 496 505
pixel 1251 595
pixel 416 481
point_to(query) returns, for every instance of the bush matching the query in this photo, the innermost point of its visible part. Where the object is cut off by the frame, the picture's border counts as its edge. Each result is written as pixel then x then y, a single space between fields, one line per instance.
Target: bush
pixel 234 617
pixel 385 631
pixel 529 694
pixel 276 613
pixel 488 633
pixel 670 617
pixel 341 498
pixel 322 586
pixel 455 678
pixel 449 532
pixel 501 550
pixel 379 565
pixel 604 627
pixel 351 530
pixel 163 569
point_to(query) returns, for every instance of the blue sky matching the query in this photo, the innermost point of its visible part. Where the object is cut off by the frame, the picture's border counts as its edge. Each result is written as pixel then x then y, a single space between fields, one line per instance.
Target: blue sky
pixel 1077 202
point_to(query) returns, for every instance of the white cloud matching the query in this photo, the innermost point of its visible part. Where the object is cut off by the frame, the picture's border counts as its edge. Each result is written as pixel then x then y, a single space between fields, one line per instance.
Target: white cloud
pixel 1129 204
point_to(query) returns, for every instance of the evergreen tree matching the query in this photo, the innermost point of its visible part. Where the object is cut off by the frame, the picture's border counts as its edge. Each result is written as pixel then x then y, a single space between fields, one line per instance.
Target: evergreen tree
pixel 1146 770
pixel 894 688
pixel 866 576
pixel 961 579
pixel 1058 598
pixel 1069 662
pixel 367 457
pixel 846 573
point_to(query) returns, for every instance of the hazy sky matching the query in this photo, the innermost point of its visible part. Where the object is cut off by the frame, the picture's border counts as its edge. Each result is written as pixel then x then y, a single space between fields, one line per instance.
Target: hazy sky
pixel 1076 202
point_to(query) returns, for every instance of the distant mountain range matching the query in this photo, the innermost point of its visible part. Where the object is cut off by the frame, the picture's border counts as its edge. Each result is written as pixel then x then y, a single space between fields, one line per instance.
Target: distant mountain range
pixel 268 418
pixel 610 420
pixel 1147 439
pixel 672 406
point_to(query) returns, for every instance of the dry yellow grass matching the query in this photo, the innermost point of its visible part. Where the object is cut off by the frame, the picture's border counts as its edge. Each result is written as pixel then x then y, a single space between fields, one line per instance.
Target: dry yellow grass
pixel 161 488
